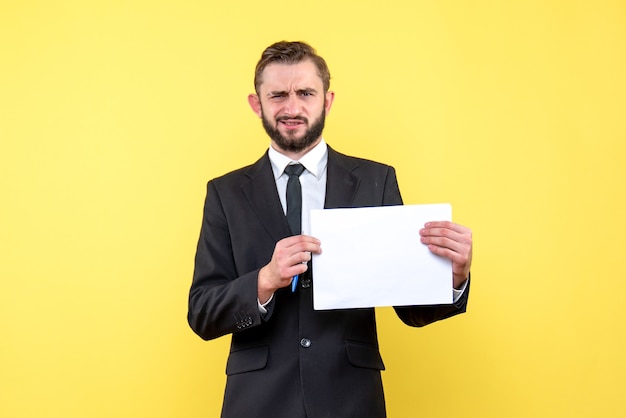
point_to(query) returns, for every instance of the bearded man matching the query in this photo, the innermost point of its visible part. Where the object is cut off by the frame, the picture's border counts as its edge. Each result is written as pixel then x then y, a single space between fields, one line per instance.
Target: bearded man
pixel 252 276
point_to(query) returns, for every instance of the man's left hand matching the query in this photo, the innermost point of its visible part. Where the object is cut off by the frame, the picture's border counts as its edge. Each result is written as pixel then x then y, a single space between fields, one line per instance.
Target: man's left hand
pixel 451 241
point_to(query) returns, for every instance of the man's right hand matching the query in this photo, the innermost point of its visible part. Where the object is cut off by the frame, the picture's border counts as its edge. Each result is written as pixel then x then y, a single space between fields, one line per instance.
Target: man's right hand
pixel 290 258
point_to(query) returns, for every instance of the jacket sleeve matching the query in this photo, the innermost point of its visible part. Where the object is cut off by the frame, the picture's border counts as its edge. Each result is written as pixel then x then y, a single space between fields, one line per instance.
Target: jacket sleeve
pixel 418 316
pixel 221 300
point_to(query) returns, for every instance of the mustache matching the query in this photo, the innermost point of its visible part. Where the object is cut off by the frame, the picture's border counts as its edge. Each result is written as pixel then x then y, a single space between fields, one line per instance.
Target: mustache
pixel 300 118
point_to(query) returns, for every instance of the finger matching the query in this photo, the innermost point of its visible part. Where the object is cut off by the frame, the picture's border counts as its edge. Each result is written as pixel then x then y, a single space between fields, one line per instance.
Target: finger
pixel 446 225
pixel 459 259
pixel 299 238
pixel 445 237
pixel 293 268
pixel 449 253
pixel 301 257
pixel 446 234
pixel 456 243
pixel 306 246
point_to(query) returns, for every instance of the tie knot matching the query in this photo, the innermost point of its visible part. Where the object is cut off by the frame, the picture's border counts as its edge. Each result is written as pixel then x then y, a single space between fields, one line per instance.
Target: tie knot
pixel 294 169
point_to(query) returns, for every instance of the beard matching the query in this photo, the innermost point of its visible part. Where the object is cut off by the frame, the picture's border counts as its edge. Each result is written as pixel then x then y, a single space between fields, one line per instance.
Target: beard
pixel 291 143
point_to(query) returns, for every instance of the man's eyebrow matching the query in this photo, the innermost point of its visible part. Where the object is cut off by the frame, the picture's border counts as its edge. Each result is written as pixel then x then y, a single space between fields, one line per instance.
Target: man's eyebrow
pixel 277 93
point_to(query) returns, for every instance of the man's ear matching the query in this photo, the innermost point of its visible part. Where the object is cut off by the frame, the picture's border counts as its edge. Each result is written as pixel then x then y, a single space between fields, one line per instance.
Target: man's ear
pixel 330 97
pixel 255 104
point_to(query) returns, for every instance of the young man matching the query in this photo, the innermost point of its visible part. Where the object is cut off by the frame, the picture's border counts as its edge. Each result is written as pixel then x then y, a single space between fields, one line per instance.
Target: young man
pixel 287 360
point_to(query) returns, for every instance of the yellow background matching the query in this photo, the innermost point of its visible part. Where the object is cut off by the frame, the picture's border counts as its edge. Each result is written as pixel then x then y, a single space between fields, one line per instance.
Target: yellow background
pixel 114 114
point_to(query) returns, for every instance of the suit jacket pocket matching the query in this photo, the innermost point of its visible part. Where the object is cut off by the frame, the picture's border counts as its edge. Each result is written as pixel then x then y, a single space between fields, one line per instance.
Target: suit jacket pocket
pixel 247 360
pixel 364 355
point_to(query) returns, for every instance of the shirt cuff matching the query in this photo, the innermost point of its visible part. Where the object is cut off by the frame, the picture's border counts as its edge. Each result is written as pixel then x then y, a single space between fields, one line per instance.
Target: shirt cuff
pixel 262 306
pixel 456 293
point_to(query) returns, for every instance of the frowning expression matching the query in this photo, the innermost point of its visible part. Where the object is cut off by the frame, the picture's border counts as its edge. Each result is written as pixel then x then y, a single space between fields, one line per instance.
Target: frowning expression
pixel 292 104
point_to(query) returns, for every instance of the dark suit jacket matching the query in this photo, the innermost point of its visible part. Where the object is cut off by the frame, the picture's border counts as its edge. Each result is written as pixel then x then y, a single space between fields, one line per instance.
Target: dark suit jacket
pixel 293 358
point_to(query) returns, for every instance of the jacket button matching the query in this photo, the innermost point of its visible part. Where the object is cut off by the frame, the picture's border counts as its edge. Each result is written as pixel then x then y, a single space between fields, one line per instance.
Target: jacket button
pixel 306 283
pixel 305 342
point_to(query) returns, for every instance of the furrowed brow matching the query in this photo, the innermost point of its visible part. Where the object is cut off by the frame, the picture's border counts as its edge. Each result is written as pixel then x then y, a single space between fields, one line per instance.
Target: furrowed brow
pixel 277 93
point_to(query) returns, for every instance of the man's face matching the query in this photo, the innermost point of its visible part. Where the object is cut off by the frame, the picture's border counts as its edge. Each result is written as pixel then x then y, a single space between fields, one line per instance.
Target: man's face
pixel 292 105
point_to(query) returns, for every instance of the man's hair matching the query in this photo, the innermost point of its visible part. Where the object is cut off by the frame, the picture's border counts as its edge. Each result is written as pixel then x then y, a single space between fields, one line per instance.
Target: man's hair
pixel 284 52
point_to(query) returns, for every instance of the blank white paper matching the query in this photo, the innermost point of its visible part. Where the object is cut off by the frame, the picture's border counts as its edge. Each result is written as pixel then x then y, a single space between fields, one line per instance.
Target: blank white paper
pixel 374 257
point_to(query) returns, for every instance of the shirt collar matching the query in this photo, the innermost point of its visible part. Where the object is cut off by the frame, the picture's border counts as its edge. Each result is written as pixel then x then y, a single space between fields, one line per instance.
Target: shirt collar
pixel 314 161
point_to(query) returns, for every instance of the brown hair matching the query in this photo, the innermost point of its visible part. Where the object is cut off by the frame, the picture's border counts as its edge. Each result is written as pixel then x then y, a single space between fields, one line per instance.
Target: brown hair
pixel 284 52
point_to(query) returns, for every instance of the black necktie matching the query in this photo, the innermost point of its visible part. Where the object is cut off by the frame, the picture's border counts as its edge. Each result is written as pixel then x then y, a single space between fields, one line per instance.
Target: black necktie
pixel 294 198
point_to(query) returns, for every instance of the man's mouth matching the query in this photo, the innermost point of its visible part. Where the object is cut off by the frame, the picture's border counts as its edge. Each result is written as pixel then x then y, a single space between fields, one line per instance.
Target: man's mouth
pixel 292 122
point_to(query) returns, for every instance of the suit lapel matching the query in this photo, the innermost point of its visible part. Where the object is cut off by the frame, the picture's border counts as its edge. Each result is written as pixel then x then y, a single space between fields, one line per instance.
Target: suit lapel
pixel 260 191
pixel 341 183
pixel 262 195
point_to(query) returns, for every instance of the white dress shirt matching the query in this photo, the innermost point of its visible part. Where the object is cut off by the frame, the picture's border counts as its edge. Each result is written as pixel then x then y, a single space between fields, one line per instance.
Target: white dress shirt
pixel 312 179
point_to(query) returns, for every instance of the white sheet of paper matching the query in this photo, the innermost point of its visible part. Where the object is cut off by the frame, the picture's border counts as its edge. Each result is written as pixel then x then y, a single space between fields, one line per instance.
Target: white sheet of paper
pixel 374 257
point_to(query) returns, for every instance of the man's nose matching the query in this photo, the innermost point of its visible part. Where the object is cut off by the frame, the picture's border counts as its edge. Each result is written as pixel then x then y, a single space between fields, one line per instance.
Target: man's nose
pixel 292 105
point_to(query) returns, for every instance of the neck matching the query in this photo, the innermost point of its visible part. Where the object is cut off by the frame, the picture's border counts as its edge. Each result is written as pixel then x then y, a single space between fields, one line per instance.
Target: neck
pixel 296 155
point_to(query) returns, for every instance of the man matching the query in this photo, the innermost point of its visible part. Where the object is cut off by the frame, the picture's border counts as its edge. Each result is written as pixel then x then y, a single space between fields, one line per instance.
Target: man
pixel 287 360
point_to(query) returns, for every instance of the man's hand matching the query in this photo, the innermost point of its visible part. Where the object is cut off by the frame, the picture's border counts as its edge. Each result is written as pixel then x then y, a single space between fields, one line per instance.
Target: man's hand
pixel 289 259
pixel 451 241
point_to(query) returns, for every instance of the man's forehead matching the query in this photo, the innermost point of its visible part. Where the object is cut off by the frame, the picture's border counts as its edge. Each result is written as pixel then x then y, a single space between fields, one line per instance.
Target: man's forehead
pixel 302 75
